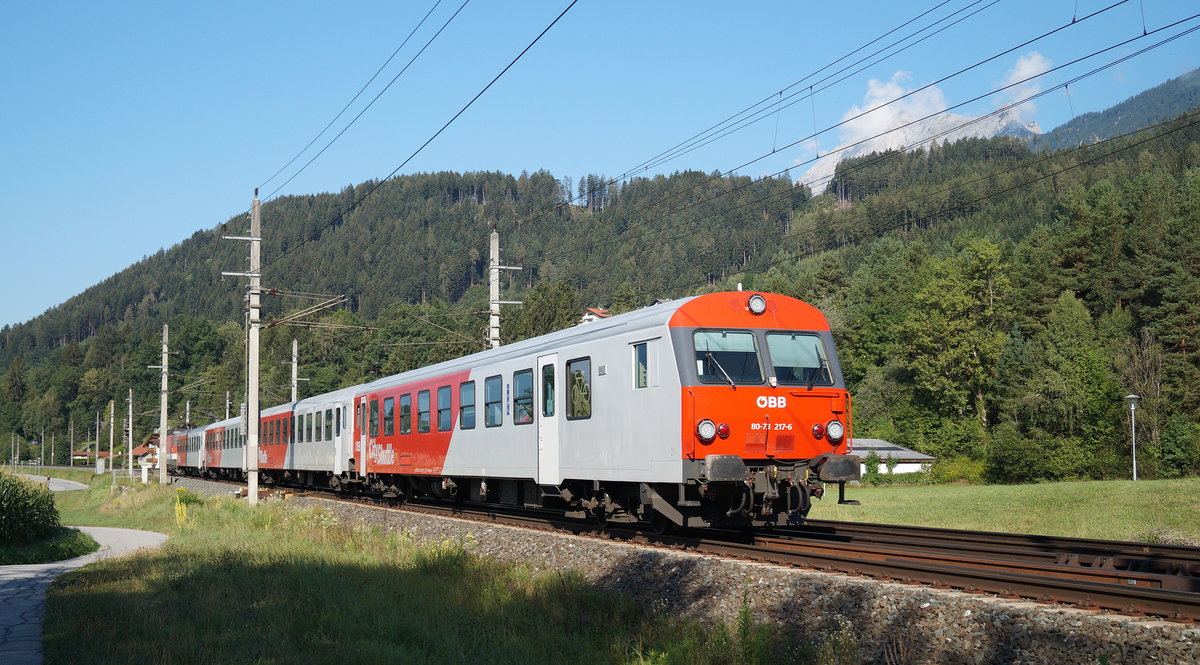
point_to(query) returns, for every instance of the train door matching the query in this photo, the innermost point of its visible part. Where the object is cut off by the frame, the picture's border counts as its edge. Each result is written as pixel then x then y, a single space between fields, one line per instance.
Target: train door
pixel 361 447
pixel 548 406
pixel 342 432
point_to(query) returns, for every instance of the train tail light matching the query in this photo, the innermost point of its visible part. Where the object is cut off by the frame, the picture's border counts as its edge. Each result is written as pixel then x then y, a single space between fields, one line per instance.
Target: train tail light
pixel 818 431
pixel 723 430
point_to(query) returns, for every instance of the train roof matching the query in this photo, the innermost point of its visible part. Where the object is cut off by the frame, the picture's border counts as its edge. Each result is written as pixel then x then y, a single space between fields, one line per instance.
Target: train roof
pixel 648 317
pixel 713 309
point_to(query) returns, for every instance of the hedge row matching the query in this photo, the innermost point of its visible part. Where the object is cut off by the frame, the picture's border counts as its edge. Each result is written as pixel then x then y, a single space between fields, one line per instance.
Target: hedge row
pixel 27 511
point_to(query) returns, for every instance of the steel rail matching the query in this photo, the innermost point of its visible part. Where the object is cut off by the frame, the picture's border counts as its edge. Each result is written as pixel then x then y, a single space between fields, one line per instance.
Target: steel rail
pixel 1008 565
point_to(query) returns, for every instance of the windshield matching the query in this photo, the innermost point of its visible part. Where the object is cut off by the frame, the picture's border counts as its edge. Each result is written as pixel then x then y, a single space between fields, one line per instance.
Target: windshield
pixel 798 359
pixel 724 356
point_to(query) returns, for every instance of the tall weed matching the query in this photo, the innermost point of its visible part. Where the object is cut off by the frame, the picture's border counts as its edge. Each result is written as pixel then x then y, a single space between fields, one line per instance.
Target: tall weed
pixel 27 511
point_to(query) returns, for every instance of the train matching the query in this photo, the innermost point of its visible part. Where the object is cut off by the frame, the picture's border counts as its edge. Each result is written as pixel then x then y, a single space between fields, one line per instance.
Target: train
pixel 726 409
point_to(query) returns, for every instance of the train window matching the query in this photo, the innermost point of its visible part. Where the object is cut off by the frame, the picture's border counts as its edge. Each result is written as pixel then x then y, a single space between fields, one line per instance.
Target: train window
pixel 361 413
pixel 307 427
pixel 272 428
pixel 320 424
pixel 337 421
pixel 329 424
pixel 423 411
pixel 726 356
pixel 466 405
pixel 443 409
pixel 389 416
pixel 374 417
pixel 798 359
pixel 579 389
pixel 523 397
pixel 547 390
pixel 291 425
pixel 493 401
pixel 406 414
pixel 641 363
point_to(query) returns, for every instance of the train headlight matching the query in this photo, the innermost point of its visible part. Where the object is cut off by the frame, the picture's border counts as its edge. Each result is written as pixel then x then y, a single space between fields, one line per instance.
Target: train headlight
pixel 757 304
pixel 706 430
pixel 723 430
pixel 835 430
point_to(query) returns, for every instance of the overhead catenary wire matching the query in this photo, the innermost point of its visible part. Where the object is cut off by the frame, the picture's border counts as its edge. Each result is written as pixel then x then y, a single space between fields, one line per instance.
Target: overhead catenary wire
pixel 594 244
pixel 355 97
pixel 372 102
pixel 909 222
pixel 690 143
pixel 357 202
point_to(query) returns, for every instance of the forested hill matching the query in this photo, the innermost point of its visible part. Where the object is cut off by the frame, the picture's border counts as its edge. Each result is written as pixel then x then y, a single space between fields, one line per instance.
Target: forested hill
pixel 1157 104
pixel 424 237
pixel 991 304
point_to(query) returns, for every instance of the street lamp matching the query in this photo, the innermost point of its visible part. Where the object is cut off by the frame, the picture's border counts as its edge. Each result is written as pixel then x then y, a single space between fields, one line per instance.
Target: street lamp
pixel 1132 401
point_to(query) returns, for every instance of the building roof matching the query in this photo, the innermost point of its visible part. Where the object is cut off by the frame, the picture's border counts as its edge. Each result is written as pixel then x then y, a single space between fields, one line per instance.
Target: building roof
pixel 889 450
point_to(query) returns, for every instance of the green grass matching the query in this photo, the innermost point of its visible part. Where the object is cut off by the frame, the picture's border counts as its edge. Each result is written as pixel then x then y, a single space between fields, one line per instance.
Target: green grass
pixel 283 585
pixel 1116 510
pixel 63 543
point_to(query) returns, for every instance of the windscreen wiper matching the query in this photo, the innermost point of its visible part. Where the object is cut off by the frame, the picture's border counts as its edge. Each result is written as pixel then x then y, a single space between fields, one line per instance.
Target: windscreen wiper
pixel 812 378
pixel 709 355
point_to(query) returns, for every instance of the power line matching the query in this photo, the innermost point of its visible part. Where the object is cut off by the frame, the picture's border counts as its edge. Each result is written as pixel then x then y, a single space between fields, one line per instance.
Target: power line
pixel 966 204
pixel 373 100
pixel 593 245
pixel 355 97
pixel 340 216
pixel 689 144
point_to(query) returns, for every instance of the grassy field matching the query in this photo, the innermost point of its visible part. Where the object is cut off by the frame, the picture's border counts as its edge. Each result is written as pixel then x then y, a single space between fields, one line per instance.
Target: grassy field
pixel 281 585
pixel 1115 510
pixel 64 543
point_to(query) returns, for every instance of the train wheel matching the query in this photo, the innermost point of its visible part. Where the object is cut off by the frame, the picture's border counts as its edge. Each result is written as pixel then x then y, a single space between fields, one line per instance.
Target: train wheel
pixel 660 525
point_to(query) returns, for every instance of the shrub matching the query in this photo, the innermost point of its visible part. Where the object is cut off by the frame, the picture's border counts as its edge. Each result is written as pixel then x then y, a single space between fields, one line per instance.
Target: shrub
pixel 27 511
pixel 871 477
pixel 958 470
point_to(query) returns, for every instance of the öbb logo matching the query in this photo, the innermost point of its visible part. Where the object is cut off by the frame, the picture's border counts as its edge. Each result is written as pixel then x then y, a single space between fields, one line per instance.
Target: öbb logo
pixel 765 402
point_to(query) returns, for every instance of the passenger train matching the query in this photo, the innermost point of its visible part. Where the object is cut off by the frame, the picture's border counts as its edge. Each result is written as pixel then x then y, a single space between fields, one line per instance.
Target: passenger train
pixel 726 409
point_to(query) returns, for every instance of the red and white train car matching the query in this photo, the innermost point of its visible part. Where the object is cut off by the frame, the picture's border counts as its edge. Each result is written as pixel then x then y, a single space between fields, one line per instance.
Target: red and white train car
pixel 721 409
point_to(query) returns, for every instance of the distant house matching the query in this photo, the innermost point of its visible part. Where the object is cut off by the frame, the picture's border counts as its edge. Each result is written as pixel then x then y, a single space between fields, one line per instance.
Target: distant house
pixel 594 314
pixel 147 453
pixel 907 461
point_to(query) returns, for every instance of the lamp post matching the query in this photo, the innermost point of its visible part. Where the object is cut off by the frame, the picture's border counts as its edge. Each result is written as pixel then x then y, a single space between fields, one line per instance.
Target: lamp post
pixel 1132 401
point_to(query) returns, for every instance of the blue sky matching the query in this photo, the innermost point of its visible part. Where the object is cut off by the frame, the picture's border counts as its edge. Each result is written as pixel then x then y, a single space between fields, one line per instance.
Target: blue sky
pixel 130 125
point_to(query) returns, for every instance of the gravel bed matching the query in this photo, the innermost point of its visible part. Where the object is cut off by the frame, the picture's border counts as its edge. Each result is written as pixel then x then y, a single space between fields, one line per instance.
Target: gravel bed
pixel 897 624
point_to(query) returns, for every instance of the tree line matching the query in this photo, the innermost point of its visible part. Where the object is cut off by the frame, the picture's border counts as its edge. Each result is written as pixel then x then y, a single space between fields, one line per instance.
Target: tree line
pixel 991 304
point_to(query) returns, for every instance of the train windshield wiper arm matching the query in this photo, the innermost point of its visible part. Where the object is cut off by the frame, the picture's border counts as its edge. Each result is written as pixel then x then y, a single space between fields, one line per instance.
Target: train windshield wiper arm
pixel 812 378
pixel 709 355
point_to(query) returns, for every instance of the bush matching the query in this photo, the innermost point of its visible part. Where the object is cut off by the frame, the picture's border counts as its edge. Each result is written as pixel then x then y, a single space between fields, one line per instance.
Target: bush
pixel 27 511
pixel 962 470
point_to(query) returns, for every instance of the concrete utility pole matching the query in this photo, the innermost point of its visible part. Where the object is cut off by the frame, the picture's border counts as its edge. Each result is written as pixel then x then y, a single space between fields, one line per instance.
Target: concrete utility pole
pixel 97 455
pixel 71 446
pixel 162 416
pixel 252 378
pixel 187 415
pixel 295 367
pixel 129 436
pixel 112 427
pixel 494 300
pixel 52 449
pixel 226 405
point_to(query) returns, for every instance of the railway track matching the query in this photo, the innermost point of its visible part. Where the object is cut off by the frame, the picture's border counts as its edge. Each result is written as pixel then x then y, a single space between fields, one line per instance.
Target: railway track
pixel 1136 579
